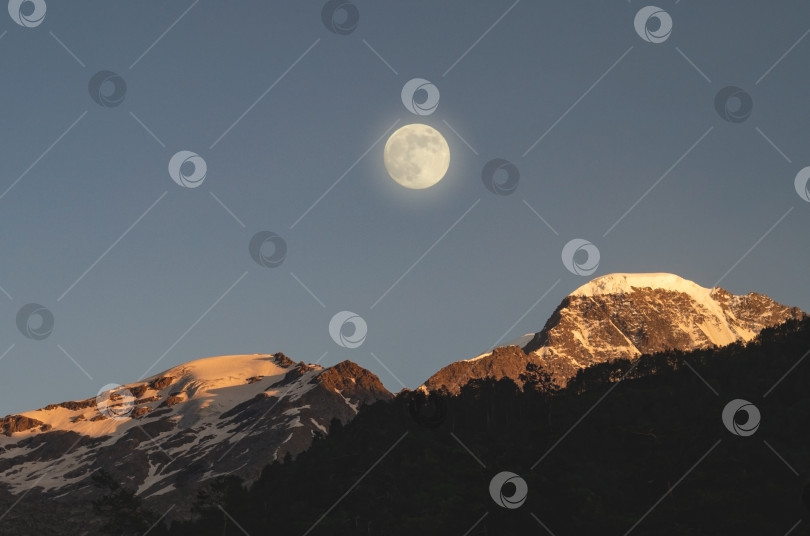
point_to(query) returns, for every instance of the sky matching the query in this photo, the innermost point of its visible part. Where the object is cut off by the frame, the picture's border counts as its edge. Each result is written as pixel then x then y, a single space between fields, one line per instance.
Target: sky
pixel 615 134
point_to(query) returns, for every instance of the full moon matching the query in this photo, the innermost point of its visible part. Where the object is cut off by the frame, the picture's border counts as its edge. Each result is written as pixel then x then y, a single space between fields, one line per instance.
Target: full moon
pixel 416 156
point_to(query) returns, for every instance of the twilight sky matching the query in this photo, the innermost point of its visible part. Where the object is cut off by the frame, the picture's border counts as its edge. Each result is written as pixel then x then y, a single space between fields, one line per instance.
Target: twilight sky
pixel 617 140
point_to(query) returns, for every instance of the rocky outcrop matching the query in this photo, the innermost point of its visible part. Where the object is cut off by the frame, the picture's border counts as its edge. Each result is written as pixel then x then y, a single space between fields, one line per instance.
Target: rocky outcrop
pixel 73 405
pixel 139 390
pixel 172 400
pixel 20 423
pixel 354 382
pixel 502 362
pixel 140 412
pixel 161 383
pixel 282 360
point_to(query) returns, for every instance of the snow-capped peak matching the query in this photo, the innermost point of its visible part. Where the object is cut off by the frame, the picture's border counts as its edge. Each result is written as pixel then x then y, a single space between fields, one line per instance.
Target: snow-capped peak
pixel 622 283
pixel 623 316
pixel 183 425
pixel 224 371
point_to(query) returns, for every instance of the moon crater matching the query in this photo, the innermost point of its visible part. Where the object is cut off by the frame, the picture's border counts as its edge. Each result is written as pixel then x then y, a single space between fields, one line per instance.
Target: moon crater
pixel 416 156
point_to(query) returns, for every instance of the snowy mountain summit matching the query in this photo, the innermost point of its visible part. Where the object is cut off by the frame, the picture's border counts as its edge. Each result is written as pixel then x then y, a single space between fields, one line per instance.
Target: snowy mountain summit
pixel 626 315
pixel 621 283
pixel 165 435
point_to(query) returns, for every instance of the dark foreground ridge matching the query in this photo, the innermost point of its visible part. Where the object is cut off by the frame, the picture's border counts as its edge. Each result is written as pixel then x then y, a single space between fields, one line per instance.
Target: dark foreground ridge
pixel 652 454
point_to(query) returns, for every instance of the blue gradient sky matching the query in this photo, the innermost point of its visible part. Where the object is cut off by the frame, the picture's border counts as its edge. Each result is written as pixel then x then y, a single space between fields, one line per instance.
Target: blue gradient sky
pixel 616 142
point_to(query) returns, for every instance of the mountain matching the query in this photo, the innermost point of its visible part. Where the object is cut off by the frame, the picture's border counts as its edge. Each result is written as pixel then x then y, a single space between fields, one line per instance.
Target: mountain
pixel 625 315
pixel 648 456
pixel 164 435
pixel 179 434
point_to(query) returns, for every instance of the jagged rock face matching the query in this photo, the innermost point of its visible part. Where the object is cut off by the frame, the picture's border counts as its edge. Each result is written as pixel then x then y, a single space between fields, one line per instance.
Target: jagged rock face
pixel 223 415
pixel 626 315
pixel 585 330
pixel 502 362
pixel 354 382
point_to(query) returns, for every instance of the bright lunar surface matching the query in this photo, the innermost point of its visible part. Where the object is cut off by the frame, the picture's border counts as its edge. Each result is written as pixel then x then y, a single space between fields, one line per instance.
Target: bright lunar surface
pixel 416 156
